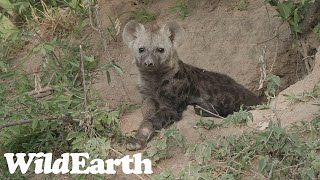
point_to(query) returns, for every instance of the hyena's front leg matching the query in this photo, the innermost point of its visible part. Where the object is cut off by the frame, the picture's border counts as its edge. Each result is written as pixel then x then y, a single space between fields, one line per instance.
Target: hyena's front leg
pixel 149 108
pixel 161 117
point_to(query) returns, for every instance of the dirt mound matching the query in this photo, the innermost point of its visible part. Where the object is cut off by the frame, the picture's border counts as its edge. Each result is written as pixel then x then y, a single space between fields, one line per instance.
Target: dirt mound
pixel 218 37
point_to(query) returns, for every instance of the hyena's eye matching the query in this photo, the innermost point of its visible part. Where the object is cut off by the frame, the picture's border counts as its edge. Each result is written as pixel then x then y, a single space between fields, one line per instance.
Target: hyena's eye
pixel 141 50
pixel 161 50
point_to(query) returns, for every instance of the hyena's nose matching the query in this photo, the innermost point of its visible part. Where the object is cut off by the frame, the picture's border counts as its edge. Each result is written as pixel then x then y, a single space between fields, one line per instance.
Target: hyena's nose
pixel 149 64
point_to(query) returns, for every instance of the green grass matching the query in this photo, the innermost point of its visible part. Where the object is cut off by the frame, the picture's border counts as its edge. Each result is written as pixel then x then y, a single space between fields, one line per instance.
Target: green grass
pixel 181 7
pixel 274 153
pixel 143 15
pixel 55 123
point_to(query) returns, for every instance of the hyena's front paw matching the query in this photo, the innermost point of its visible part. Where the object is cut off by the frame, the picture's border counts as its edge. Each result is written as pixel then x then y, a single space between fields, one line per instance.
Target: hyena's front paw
pixel 134 144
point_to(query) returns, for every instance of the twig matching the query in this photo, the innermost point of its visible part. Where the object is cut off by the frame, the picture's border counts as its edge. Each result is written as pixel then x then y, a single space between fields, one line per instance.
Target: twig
pixel 291 166
pixel 264 41
pixel 276 34
pixel 263 73
pixel 305 55
pixel 265 5
pixel 275 56
pixel 86 116
pixel 43 90
pixel 91 18
pixel 65 118
pixel 215 109
pixel 217 115
pixel 42 94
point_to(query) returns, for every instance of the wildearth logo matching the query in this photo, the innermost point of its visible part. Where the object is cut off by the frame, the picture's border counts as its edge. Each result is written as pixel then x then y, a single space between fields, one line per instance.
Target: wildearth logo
pixel 80 164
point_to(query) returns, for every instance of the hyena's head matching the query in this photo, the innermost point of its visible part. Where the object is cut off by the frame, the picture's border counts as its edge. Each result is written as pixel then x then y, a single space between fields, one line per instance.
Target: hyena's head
pixel 153 50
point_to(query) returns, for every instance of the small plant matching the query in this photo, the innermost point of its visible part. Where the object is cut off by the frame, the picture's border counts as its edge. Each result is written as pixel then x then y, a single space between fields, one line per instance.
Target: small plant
pixel 69 118
pixel 305 96
pixel 273 85
pixel 242 116
pixel 114 30
pixel 243 5
pixel 143 15
pixel 207 124
pixel 202 152
pixel 159 148
pixel 164 175
pixel 181 7
pixel 276 152
pixel 291 11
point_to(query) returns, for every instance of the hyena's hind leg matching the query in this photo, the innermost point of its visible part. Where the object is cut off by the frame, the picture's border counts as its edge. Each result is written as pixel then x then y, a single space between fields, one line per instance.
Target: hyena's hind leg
pixel 161 118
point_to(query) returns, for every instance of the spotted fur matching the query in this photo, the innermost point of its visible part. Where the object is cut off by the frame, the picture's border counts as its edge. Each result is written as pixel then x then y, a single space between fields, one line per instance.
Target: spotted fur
pixel 168 85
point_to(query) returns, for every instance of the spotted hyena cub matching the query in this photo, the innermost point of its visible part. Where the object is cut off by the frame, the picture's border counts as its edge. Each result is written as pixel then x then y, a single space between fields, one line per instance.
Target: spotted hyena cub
pixel 168 85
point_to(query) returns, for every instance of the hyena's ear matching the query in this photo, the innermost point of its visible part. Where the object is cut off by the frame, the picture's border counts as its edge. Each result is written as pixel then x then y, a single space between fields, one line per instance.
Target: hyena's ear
pixel 131 31
pixel 174 32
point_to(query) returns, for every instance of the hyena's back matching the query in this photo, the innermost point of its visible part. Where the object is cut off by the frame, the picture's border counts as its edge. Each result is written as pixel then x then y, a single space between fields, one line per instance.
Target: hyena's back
pixel 217 93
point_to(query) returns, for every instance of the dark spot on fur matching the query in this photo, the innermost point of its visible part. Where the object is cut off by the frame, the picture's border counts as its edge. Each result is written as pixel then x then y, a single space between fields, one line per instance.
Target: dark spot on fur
pixel 178 75
pixel 165 82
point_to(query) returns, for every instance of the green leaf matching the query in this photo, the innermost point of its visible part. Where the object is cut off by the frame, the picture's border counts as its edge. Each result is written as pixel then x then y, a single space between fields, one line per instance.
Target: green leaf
pixel 273 2
pixel 118 68
pixel 199 154
pixel 35 124
pixel 191 149
pixel 263 163
pixel 82 177
pixel 48 47
pixel 296 21
pixel 76 134
pixel 285 9
pixel 311 174
pixel 37 48
pixel 89 58
pixel 6 4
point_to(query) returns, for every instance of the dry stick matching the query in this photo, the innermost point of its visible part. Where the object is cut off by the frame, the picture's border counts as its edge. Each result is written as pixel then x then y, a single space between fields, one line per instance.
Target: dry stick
pixel 275 56
pixel 42 94
pixel 274 110
pixel 262 68
pixel 91 18
pixel 305 55
pixel 265 5
pixel 274 36
pixel 209 112
pixel 84 85
pixel 16 123
pixel 43 90
pixel 291 166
